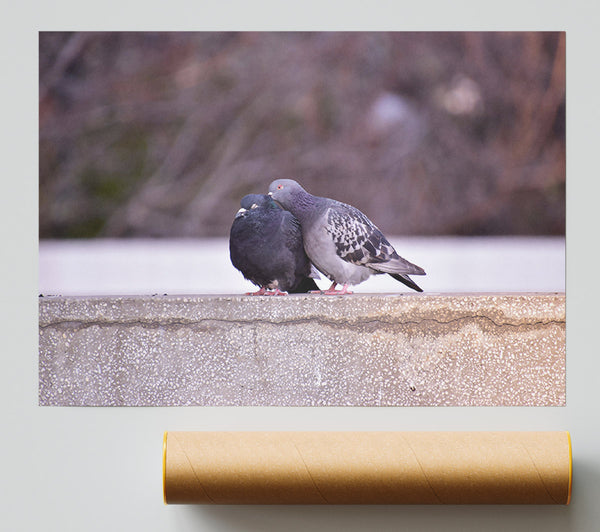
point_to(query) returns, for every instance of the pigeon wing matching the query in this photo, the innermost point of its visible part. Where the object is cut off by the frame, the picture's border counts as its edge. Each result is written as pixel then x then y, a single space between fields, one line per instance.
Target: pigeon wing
pixel 359 241
pixel 356 238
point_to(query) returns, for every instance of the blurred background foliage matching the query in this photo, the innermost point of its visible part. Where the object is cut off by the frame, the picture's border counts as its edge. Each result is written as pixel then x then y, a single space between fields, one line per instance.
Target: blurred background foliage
pixel 161 134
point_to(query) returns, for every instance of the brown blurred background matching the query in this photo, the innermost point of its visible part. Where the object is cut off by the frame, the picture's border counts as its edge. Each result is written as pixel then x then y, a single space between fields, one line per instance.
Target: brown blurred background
pixel 161 134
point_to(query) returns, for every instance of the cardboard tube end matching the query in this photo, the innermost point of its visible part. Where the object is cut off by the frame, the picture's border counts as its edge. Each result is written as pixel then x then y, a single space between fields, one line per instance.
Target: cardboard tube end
pixel 570 467
pixel 164 467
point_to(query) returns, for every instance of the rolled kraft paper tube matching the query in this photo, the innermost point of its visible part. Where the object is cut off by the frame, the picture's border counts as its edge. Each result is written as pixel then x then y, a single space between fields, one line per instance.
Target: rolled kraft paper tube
pixel 367 467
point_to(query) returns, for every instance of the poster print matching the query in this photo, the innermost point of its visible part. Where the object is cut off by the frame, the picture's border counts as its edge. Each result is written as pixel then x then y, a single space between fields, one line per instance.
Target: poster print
pixel 451 144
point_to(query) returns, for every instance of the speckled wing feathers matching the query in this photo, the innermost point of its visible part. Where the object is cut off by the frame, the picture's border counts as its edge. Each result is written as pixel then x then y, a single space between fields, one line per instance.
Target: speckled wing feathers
pixel 360 242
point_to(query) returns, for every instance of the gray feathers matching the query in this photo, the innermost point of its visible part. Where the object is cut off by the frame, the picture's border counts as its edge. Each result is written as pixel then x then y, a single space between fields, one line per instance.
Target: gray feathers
pixel 265 244
pixel 340 240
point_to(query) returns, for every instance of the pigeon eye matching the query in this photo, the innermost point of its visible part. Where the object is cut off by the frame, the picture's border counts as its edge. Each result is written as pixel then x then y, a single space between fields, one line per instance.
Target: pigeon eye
pixel 279 187
pixel 254 206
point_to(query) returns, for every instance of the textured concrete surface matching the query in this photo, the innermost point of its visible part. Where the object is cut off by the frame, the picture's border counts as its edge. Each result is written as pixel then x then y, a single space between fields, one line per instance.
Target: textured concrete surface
pixel 300 350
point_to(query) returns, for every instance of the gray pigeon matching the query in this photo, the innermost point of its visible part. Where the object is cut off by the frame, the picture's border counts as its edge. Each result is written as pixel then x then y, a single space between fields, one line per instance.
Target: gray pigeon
pixel 265 244
pixel 340 240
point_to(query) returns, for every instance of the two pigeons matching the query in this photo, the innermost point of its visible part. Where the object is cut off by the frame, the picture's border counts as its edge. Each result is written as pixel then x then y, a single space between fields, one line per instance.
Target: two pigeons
pixel 278 239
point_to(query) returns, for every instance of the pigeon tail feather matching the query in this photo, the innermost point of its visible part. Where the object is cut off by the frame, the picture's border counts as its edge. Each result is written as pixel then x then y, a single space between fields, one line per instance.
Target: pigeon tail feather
pixel 405 279
pixel 397 266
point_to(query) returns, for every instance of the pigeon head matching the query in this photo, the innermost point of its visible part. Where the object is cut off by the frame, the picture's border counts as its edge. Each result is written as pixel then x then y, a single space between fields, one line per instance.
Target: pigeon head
pixel 254 201
pixel 286 192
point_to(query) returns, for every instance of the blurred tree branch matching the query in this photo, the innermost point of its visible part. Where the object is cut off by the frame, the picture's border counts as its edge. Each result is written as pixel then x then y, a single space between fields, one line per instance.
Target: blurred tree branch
pixel 161 134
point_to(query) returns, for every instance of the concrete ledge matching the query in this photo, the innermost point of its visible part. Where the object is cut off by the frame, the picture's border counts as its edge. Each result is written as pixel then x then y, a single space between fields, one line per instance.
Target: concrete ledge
pixel 301 350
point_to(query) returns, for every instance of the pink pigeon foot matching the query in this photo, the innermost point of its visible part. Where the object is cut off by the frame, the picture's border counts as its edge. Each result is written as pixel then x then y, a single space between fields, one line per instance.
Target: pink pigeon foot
pixel 264 292
pixel 260 292
pixel 277 292
pixel 331 291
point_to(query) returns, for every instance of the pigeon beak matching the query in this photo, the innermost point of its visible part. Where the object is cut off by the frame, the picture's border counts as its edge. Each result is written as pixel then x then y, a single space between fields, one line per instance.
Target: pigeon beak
pixel 270 194
pixel 240 212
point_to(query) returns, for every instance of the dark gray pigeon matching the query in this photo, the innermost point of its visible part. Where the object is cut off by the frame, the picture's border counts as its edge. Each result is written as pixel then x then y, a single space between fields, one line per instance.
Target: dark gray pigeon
pixel 265 244
pixel 340 240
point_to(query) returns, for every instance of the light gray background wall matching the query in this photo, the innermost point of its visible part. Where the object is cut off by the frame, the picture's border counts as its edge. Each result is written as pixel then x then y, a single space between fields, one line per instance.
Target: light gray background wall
pixel 100 469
